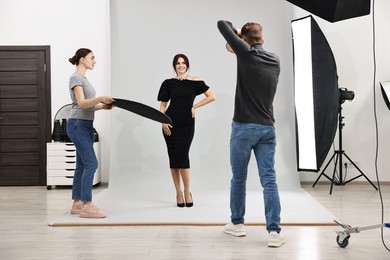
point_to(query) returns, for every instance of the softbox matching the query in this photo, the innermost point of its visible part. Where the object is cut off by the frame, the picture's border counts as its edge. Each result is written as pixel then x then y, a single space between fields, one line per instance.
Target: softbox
pixel 335 10
pixel 316 94
pixel 385 88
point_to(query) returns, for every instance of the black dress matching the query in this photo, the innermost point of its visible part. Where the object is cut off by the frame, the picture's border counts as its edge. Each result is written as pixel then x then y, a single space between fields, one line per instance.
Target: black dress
pixel 181 95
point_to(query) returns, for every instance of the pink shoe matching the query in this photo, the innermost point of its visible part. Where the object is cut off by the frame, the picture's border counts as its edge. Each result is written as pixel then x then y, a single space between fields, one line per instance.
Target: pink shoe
pixel 76 207
pixel 90 211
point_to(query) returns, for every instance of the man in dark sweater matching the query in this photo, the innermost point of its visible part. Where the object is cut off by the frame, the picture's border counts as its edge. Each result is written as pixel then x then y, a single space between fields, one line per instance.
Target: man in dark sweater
pixel 253 126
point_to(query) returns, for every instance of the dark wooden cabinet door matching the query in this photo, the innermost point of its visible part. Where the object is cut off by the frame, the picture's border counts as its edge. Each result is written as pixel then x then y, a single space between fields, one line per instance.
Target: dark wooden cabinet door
pixel 25 114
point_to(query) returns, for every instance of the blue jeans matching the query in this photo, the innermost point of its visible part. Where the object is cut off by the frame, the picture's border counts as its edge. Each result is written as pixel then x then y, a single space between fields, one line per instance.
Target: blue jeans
pixel 82 135
pixel 262 140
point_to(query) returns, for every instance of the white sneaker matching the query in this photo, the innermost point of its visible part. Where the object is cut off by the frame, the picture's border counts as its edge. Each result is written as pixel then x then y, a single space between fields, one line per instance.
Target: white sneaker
pixel 235 230
pixel 275 239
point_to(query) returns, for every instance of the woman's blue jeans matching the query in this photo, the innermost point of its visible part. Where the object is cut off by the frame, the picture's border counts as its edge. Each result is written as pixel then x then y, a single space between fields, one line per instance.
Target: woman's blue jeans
pixel 82 135
pixel 262 140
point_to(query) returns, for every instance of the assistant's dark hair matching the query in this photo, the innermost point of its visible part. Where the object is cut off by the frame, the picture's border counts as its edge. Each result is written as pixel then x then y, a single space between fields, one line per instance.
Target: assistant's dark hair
pixel 252 32
pixel 80 53
pixel 176 58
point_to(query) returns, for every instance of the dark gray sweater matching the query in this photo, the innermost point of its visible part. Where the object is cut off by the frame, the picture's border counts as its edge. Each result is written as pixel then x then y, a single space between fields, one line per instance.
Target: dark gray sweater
pixel 257 78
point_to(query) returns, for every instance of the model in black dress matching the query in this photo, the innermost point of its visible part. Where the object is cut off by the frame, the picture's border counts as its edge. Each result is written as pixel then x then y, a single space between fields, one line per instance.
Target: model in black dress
pixel 181 92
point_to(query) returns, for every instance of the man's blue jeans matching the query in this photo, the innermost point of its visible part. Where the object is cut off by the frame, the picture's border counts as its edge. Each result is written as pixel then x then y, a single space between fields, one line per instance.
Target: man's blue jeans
pixel 82 135
pixel 262 140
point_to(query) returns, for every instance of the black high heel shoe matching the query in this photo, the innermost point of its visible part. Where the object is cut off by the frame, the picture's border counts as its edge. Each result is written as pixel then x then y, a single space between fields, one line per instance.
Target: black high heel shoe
pixel 190 204
pixel 180 205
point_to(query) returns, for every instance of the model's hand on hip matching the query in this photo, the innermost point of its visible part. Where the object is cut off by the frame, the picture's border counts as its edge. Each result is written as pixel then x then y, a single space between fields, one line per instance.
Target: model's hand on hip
pixel 166 129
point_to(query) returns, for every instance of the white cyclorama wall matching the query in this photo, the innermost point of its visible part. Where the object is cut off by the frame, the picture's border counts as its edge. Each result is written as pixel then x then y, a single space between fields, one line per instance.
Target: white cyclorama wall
pixel 145 37
pixel 65 25
pixel 68 25
pixel 352 45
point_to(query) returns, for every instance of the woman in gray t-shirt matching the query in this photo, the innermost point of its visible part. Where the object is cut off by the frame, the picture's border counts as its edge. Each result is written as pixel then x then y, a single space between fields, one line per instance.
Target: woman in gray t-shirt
pixel 80 130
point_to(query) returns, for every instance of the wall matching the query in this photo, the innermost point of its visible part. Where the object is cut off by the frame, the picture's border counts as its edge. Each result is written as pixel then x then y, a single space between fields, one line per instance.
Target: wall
pixel 65 25
pixel 68 25
pixel 352 45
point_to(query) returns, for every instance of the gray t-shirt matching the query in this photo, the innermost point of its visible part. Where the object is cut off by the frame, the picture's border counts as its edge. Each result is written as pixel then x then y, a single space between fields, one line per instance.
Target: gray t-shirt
pixel 89 92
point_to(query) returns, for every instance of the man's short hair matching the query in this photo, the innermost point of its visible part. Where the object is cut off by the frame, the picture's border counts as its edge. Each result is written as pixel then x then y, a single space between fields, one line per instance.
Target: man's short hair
pixel 252 32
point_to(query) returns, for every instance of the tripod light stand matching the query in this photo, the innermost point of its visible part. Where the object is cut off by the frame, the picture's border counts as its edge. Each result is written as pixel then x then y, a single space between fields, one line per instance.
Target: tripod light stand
pixel 338 154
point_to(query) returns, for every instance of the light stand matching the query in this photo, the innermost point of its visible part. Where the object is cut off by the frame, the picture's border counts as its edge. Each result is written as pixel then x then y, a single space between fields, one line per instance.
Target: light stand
pixel 339 159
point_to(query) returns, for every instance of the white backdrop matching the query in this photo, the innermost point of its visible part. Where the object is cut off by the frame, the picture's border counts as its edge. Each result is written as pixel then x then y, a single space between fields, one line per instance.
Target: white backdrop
pixel 145 37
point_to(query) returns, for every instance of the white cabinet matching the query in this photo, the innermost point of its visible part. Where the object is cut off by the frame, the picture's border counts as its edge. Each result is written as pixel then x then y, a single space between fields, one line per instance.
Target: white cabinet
pixel 61 163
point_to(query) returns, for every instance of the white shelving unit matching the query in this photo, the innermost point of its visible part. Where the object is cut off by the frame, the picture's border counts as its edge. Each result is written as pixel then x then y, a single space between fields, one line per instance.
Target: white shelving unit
pixel 61 163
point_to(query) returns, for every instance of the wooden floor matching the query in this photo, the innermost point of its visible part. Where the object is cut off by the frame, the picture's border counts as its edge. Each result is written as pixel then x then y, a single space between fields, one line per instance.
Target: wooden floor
pixel 25 234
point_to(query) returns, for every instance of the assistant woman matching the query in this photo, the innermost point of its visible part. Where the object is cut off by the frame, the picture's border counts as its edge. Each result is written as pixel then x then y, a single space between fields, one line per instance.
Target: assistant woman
pixel 181 92
pixel 81 132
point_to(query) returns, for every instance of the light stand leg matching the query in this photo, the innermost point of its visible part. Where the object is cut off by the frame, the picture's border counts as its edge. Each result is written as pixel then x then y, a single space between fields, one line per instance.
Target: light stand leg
pixel 339 161
pixel 361 173
pixel 343 236
pixel 338 157
pixel 323 171
pixel 336 154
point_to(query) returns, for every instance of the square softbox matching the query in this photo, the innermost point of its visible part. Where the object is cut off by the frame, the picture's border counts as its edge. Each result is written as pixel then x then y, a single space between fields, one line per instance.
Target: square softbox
pixel 335 10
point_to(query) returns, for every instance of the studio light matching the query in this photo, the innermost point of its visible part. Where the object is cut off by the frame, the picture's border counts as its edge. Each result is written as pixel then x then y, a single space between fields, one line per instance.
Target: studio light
pixel 346 94
pixel 318 102
pixel 316 94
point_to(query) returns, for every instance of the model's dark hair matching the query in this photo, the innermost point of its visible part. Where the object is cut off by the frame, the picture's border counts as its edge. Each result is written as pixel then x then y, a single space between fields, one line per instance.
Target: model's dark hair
pixel 252 32
pixel 176 58
pixel 80 53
